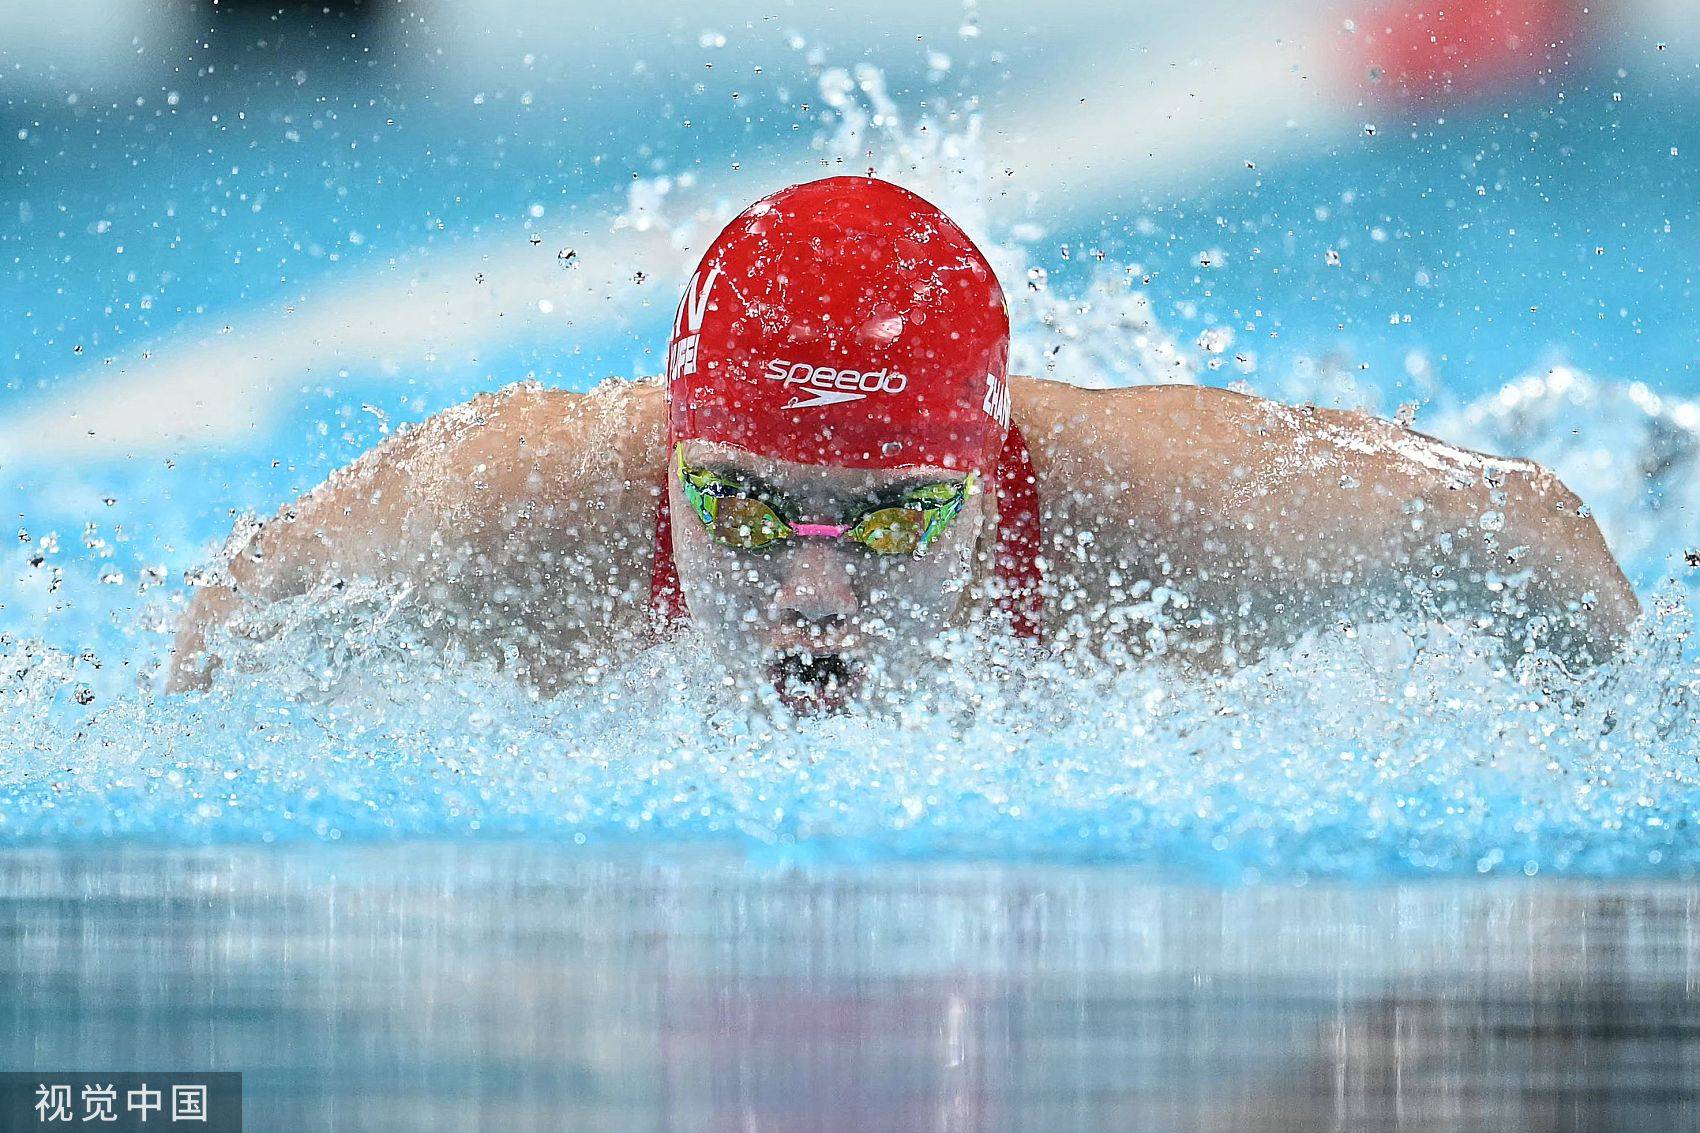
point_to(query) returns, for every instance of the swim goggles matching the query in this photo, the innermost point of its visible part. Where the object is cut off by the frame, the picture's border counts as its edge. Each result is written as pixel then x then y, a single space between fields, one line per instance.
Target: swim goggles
pixel 742 516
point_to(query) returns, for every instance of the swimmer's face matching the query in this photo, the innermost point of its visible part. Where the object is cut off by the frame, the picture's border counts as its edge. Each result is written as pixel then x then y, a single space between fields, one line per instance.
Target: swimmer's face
pixel 812 616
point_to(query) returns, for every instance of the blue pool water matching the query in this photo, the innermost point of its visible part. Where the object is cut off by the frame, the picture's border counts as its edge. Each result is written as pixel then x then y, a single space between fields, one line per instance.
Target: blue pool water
pixel 1395 751
pixel 1399 751
pixel 463 987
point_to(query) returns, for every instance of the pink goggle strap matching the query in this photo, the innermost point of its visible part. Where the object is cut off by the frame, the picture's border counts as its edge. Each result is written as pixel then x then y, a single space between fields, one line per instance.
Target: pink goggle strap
pixel 819 530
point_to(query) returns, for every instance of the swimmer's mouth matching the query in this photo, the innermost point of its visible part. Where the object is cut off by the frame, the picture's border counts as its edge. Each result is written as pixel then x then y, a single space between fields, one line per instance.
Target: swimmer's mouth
pixel 815 684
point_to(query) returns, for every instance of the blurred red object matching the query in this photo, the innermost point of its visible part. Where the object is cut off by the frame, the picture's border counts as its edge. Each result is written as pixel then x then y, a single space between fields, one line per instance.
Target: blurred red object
pixel 1466 48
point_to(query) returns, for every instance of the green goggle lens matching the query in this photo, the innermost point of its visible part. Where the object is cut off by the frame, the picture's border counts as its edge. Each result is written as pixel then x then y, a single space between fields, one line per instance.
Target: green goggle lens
pixel 748 523
pixel 739 521
pixel 891 530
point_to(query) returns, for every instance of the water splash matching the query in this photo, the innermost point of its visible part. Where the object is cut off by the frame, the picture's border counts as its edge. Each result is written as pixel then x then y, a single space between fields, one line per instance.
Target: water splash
pixel 1400 750
pixel 1394 752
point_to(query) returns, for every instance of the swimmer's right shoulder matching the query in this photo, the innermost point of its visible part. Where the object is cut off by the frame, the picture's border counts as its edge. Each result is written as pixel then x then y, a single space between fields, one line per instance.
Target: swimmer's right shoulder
pixel 616 415
pixel 530 434
pixel 531 402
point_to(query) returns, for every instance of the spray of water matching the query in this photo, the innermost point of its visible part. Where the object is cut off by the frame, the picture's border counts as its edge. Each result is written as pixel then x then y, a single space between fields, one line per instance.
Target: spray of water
pixel 1392 749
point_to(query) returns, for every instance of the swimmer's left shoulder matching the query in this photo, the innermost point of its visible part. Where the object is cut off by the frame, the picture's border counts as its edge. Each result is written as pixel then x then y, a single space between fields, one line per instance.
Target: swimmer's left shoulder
pixel 1046 399
pixel 1137 418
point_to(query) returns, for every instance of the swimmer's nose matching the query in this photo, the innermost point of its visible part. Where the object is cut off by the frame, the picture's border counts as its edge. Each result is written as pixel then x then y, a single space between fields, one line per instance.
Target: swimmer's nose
pixel 816 585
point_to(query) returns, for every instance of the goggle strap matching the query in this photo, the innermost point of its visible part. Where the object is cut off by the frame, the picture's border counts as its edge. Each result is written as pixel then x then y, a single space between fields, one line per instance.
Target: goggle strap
pixel 820 530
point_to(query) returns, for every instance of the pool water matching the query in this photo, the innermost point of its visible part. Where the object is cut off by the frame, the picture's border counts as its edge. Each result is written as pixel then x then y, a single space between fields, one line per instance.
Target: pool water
pixel 524 987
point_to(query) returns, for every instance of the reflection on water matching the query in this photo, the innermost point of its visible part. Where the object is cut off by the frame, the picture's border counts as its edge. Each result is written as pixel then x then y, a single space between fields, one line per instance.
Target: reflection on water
pixel 503 987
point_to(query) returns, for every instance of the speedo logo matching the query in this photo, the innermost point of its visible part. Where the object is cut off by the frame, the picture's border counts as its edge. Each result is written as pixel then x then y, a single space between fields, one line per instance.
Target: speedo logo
pixel 825 385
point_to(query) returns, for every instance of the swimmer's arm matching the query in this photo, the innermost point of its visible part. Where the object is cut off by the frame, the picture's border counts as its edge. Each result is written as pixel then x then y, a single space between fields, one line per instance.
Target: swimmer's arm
pixel 351 525
pixel 473 502
pixel 1268 515
pixel 1490 536
pixel 1521 522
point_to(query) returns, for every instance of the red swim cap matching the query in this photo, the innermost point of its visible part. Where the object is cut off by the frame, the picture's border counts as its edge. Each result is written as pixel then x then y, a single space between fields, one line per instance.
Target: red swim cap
pixel 844 322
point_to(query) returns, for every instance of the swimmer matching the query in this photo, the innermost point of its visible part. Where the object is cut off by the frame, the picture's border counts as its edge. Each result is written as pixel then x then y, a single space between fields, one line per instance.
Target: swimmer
pixel 836 468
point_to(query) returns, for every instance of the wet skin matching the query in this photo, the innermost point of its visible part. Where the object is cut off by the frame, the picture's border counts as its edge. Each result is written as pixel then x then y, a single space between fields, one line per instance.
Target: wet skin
pixel 782 610
pixel 526 518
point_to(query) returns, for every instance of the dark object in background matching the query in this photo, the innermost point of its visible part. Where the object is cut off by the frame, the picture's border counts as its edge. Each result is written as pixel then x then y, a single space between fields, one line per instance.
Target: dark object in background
pixel 240 30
